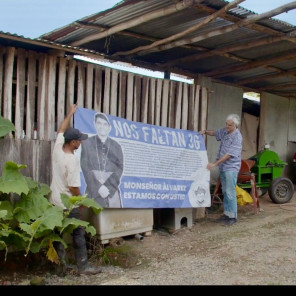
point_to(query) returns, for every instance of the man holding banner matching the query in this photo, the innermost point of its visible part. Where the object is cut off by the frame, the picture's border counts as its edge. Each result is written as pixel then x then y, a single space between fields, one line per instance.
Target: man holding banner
pixel 102 164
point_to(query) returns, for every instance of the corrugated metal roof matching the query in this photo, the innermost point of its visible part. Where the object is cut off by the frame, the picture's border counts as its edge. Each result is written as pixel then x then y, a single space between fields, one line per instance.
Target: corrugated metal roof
pixel 42 45
pixel 249 66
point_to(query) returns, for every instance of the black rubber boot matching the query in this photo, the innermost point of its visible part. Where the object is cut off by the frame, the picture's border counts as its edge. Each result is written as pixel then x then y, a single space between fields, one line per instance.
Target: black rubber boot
pixel 80 251
pixel 82 263
pixel 61 268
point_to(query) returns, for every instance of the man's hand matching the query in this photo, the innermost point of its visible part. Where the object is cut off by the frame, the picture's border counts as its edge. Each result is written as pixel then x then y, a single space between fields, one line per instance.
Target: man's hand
pixel 73 109
pixel 210 166
pixel 64 125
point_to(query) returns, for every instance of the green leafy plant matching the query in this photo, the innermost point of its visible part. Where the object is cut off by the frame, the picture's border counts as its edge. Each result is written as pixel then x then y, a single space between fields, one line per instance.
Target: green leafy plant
pixel 6 126
pixel 28 221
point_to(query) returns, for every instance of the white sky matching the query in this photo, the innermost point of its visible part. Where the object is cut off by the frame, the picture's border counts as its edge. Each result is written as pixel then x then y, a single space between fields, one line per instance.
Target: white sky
pixel 32 18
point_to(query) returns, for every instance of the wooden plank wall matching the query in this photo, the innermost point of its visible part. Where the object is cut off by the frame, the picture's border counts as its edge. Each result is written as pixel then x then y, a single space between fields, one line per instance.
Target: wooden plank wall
pixel 36 90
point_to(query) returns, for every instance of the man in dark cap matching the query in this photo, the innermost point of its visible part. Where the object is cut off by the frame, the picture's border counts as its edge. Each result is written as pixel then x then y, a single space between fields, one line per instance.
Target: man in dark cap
pixel 102 164
pixel 66 179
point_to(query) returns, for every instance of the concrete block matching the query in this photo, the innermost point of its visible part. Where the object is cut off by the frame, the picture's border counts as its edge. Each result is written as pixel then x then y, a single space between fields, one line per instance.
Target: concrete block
pixel 173 219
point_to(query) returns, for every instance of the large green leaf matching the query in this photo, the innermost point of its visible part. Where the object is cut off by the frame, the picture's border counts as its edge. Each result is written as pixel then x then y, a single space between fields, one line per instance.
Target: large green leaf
pixel 91 230
pixel 52 237
pixel 6 126
pixel 31 183
pixel 17 240
pixel 69 224
pixel 12 180
pixel 3 213
pixel 31 230
pixel 74 201
pixel 65 200
pixel 90 203
pixel 6 206
pixel 31 206
pixel 71 201
pixel 51 219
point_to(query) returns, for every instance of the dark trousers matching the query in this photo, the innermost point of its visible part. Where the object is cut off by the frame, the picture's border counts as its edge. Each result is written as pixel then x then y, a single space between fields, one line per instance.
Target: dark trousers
pixel 79 244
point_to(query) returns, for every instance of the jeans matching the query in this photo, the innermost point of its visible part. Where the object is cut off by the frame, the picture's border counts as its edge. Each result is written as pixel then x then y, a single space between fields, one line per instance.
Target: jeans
pixel 228 182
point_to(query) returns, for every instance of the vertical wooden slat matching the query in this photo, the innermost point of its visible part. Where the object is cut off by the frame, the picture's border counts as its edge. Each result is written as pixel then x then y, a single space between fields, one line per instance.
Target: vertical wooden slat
pixel 144 100
pixel 50 122
pixel 191 107
pixel 130 96
pixel 80 84
pixel 204 108
pixel 158 101
pixel 122 94
pixel 172 105
pixel 7 87
pixel 196 114
pixel 106 102
pixel 137 99
pixel 31 95
pixel 113 97
pixel 1 76
pixel 178 105
pixel 98 89
pixel 41 95
pixel 164 103
pixel 70 85
pixel 20 93
pixel 151 101
pixel 185 107
pixel 89 86
pixel 61 91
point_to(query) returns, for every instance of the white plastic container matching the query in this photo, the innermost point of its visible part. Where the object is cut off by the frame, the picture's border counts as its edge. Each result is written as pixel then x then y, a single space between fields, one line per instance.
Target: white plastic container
pixel 114 223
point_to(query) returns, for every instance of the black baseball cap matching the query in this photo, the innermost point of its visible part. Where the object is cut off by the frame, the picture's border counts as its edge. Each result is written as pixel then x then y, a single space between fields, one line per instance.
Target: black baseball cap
pixel 74 134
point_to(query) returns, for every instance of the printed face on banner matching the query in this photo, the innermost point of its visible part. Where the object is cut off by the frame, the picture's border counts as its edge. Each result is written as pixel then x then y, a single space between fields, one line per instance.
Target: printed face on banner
pixel 138 165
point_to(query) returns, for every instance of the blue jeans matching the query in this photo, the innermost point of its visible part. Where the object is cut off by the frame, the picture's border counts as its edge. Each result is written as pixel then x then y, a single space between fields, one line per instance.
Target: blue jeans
pixel 228 182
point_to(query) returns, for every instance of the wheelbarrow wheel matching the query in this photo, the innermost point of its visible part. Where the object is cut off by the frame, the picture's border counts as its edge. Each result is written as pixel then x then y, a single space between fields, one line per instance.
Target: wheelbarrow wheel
pixel 281 190
pixel 215 206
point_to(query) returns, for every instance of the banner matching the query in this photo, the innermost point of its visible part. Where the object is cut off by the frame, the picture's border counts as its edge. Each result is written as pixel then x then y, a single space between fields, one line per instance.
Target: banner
pixel 127 164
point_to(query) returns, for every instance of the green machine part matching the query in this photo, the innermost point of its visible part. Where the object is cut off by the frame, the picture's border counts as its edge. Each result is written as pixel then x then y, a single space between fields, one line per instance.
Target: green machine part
pixel 268 167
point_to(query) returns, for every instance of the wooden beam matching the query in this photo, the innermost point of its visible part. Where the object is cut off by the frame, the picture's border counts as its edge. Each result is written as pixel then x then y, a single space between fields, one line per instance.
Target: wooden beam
pixel 235 19
pixel 276 86
pixel 130 34
pixel 183 33
pixel 248 20
pixel 251 65
pixel 265 77
pixel 222 50
pixel 49 44
pixel 137 21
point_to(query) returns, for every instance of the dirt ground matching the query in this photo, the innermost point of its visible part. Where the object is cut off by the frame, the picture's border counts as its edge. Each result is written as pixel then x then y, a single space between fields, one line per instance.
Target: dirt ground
pixel 258 250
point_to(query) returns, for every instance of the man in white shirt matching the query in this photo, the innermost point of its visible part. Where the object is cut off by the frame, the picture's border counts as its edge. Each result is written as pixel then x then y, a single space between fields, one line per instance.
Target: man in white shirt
pixel 66 180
